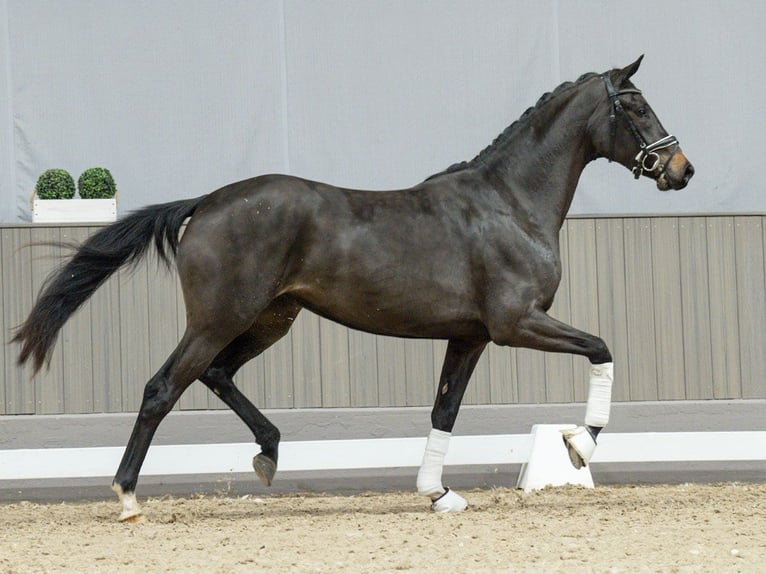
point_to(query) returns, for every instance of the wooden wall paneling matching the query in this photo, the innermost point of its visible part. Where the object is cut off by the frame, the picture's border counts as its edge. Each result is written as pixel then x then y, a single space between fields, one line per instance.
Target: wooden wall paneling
pixel 478 391
pixel 307 373
pixel 502 374
pixel 278 374
pixel 695 329
pixel 7 334
pixel 336 386
pixel 392 372
pixel 107 357
pixel 668 308
pixel 612 301
pixel 363 369
pixel 582 266
pixel 530 374
pixel 419 371
pixel 639 291
pixel 77 345
pixel 46 258
pixel 18 297
pixel 559 382
pixel 748 235
pixel 724 319
pixel 134 334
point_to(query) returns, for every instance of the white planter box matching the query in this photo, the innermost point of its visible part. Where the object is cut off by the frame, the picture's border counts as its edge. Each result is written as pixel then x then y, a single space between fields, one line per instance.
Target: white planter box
pixel 74 210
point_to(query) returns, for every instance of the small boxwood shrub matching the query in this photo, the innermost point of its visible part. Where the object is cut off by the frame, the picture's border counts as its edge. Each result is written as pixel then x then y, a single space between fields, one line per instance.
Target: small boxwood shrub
pixel 96 183
pixel 55 184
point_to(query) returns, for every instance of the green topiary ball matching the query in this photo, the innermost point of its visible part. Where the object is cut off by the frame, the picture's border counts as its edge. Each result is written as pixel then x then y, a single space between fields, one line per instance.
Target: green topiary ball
pixel 96 183
pixel 55 184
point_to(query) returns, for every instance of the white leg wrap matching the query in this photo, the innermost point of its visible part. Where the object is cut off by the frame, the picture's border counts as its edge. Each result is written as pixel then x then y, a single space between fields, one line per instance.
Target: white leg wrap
pixel 599 395
pixel 450 501
pixel 430 473
pixel 580 443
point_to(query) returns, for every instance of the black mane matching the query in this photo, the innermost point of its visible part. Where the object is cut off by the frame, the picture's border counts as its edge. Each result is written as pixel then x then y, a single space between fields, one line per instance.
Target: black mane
pixel 511 129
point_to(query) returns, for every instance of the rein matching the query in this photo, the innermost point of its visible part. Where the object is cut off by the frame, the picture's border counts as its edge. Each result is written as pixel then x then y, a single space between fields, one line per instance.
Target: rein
pixel 647 160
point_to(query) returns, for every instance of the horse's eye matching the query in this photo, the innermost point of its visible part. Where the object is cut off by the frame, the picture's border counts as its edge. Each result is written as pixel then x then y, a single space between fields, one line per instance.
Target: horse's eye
pixel 642 112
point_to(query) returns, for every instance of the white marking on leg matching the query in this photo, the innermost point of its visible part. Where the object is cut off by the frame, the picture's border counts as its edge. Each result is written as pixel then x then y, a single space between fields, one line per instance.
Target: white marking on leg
pixel 130 508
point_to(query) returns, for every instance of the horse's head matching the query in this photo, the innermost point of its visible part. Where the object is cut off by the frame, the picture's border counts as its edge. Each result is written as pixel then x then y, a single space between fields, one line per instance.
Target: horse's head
pixel 626 130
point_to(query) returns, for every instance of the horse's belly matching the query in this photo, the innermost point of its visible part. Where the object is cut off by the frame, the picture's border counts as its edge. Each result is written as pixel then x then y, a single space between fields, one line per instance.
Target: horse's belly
pixel 414 315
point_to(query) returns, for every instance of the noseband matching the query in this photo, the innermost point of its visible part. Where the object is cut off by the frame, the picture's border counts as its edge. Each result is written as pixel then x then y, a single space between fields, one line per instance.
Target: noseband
pixel 647 160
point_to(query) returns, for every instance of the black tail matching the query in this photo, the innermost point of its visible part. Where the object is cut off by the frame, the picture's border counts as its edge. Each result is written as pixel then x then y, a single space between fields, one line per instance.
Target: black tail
pixel 119 244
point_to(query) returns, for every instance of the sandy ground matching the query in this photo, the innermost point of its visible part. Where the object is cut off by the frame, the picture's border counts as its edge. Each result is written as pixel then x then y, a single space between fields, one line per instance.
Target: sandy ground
pixel 689 528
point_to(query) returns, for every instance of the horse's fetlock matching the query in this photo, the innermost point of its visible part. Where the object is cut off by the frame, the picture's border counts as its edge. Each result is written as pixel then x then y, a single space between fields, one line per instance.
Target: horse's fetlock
pixel 271 436
pixel 269 442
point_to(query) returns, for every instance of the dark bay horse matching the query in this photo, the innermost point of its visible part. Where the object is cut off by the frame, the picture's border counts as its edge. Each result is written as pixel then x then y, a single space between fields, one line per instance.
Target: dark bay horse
pixel 470 255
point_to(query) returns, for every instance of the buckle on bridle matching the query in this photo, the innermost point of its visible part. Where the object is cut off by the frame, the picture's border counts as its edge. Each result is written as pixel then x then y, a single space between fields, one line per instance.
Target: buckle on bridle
pixel 648 160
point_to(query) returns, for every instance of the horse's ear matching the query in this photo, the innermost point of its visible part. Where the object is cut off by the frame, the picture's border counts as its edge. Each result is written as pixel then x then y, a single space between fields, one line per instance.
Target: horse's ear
pixel 629 70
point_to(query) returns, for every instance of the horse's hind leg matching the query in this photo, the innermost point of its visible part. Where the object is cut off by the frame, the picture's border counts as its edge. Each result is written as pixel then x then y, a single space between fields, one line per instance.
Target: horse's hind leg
pixel 189 360
pixel 459 363
pixel 272 324
pixel 266 434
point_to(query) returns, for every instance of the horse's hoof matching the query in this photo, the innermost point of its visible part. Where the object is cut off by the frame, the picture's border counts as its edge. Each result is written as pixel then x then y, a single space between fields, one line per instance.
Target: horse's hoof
pixel 580 446
pixel 450 501
pixel 132 518
pixel 265 468
pixel 131 511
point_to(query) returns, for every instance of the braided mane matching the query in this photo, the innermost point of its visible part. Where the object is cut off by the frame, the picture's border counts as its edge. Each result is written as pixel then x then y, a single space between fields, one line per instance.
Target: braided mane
pixel 506 134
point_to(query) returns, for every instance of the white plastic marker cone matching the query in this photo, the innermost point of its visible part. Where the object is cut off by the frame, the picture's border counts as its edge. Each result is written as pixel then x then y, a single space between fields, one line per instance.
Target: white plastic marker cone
pixel 549 463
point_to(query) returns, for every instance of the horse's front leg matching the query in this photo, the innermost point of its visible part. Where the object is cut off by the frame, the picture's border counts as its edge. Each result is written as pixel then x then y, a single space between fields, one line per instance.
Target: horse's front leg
pixel 581 441
pixel 459 363
pixel 540 331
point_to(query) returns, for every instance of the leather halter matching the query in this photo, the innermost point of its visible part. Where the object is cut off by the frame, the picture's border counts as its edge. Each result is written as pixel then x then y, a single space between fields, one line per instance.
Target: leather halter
pixel 647 160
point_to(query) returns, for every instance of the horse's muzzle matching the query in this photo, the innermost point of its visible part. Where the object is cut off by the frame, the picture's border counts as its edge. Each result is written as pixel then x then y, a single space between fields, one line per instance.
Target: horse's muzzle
pixel 677 173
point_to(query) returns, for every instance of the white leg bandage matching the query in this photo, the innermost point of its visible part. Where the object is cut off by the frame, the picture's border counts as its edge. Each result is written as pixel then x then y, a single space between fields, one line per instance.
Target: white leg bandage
pixel 430 473
pixel 580 442
pixel 599 395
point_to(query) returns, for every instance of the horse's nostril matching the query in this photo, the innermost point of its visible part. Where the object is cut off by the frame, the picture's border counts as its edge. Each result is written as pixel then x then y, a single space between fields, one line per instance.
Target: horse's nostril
pixel 689 172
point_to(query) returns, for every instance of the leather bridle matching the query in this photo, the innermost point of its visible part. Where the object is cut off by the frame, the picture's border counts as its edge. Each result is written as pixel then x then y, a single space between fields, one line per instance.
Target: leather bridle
pixel 647 160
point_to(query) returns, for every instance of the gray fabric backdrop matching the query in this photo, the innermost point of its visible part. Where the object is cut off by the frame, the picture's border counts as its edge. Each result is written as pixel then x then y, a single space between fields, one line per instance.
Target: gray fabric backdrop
pixel 179 97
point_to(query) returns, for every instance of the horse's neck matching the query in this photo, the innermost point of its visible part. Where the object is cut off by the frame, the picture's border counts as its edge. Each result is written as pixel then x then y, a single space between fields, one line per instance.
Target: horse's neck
pixel 539 168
